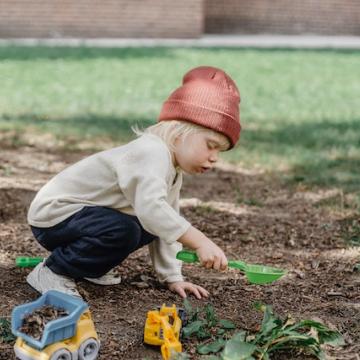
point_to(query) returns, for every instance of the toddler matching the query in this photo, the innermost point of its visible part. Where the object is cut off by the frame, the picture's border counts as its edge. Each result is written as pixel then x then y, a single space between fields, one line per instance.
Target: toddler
pixel 93 214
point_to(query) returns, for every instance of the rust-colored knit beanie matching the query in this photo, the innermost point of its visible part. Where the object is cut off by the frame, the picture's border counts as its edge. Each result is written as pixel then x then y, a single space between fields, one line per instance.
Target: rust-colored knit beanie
pixel 207 97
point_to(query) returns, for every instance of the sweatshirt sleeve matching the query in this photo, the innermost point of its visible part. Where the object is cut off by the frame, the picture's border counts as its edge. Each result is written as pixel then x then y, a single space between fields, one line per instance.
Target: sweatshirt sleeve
pixel 142 176
pixel 163 256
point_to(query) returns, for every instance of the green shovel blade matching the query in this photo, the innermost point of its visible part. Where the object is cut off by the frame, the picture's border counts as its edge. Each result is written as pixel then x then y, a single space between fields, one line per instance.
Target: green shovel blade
pixel 256 274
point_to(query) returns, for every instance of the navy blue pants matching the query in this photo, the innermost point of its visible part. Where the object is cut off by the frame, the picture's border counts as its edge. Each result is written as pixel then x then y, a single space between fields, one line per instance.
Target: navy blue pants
pixel 91 242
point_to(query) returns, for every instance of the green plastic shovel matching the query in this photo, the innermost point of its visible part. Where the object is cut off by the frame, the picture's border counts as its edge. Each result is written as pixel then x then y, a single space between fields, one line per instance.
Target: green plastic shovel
pixel 26 261
pixel 256 274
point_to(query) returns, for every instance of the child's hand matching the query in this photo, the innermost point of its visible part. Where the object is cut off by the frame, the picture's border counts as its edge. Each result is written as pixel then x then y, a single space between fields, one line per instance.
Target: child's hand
pixel 211 256
pixel 180 287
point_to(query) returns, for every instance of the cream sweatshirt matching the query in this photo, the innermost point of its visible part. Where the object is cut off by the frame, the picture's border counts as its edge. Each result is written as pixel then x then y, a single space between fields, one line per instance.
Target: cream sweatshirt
pixel 138 178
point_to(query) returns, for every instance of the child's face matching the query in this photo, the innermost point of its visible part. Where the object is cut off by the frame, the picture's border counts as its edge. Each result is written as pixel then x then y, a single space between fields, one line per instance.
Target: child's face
pixel 197 153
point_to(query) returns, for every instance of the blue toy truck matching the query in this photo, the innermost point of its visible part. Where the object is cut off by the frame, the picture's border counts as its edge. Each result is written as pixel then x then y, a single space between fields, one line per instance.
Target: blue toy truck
pixel 72 337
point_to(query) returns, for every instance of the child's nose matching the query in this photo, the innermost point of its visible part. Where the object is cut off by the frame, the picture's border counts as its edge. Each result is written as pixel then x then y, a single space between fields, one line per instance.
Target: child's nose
pixel 213 157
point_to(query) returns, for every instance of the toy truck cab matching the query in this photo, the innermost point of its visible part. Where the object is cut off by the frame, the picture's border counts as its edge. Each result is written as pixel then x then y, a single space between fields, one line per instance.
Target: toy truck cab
pixel 72 337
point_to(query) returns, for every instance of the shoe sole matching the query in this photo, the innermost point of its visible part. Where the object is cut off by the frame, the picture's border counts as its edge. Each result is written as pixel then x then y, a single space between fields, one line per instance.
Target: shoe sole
pixel 104 282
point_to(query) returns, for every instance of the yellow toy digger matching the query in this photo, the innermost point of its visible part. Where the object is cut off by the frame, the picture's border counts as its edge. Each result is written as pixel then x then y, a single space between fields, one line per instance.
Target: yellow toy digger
pixel 162 328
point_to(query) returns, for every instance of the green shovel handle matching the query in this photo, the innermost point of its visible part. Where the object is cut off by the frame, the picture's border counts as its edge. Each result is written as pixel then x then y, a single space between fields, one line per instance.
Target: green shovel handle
pixel 26 261
pixel 187 256
pixel 191 257
pixel 238 264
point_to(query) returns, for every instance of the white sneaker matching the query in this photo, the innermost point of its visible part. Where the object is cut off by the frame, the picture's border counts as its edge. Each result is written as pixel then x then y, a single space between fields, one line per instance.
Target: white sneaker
pixel 110 278
pixel 43 279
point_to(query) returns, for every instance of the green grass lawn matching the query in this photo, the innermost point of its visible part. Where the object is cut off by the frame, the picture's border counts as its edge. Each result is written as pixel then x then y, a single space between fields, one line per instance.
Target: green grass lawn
pixel 300 109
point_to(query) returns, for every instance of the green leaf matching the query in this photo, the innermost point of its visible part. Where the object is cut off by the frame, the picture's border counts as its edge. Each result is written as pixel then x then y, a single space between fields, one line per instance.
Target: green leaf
pixel 203 334
pixel 259 306
pixel 270 326
pixel 270 321
pixel 299 340
pixel 319 354
pixel 227 324
pixel 192 314
pixel 335 339
pixel 308 323
pixel 187 306
pixel 237 349
pixel 239 336
pixel 6 336
pixel 192 328
pixel 325 335
pixel 180 356
pixel 220 331
pixel 213 347
pixel 210 315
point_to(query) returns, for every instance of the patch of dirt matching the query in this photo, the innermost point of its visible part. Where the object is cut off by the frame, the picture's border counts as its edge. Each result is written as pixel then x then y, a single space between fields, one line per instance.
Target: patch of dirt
pixel 252 216
pixel 15 203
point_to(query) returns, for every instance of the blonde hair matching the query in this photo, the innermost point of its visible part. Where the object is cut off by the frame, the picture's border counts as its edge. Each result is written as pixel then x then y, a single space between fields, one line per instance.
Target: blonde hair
pixel 170 130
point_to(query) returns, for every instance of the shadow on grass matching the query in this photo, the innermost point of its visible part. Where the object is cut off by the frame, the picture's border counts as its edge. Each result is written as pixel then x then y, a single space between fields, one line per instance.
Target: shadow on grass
pixel 325 134
pixel 321 153
pixel 342 172
pixel 87 125
pixel 18 52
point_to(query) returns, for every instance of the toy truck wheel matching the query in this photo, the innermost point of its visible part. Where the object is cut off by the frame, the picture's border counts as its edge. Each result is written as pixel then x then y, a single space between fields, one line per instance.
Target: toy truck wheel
pixel 88 350
pixel 61 354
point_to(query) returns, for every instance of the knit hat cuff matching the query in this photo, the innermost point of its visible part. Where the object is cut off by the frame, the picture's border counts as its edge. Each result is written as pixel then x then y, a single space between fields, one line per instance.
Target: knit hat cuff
pixel 209 118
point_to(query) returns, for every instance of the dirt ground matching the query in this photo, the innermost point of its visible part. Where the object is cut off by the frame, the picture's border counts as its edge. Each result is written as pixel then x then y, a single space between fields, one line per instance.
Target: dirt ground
pixel 251 215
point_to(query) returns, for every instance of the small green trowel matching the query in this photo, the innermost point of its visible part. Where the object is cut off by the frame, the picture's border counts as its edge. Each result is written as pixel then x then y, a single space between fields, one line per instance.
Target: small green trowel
pixel 27 261
pixel 256 274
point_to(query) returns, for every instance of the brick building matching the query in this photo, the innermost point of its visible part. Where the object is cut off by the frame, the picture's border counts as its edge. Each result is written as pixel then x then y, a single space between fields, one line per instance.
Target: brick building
pixel 175 19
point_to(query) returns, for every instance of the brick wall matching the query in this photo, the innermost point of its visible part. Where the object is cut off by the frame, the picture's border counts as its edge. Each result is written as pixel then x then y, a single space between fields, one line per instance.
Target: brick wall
pixel 175 19
pixel 101 18
pixel 326 17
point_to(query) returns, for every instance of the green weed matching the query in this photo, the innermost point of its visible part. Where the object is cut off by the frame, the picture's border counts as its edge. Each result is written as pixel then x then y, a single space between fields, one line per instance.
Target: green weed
pixel 274 335
pixel 204 325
